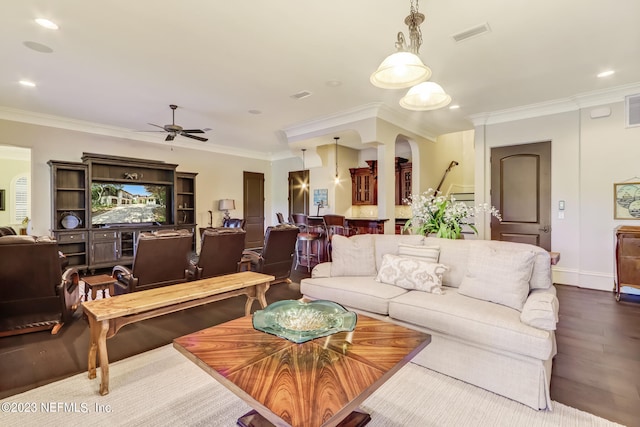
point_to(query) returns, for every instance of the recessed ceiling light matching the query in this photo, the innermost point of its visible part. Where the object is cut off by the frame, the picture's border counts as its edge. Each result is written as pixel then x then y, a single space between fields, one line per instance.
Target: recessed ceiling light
pixel 47 24
pixel 255 112
pixel 27 83
pixel 606 73
pixel 454 107
pixel 38 47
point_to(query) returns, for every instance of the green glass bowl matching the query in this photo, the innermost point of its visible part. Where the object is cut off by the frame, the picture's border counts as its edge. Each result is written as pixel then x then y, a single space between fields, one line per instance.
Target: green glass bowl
pixel 299 321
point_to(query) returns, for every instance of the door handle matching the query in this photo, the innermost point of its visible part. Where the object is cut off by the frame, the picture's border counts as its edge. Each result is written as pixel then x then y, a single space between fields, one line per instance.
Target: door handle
pixel 544 229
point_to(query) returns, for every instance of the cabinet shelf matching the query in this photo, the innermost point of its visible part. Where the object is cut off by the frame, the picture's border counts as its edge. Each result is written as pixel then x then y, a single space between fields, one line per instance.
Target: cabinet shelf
pixel 70 189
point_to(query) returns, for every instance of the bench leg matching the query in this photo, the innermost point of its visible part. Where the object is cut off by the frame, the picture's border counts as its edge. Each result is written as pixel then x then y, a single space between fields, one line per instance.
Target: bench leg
pixel 94 330
pixel 98 344
pixel 257 292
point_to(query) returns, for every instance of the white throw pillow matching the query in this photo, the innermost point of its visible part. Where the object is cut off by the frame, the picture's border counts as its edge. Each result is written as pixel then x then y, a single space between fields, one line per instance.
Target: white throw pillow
pixel 353 256
pixel 500 276
pixel 411 273
pixel 425 253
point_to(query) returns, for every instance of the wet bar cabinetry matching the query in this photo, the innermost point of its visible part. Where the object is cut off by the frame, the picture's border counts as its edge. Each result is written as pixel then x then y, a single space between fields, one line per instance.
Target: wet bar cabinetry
pixel 89 245
pixel 364 182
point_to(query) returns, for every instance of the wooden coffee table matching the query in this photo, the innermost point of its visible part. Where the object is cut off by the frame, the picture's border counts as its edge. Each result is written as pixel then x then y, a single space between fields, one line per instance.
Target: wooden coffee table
pixel 317 383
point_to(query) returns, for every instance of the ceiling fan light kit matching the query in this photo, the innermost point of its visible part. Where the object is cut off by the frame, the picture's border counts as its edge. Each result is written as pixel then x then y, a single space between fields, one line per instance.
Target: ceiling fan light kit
pixel 404 68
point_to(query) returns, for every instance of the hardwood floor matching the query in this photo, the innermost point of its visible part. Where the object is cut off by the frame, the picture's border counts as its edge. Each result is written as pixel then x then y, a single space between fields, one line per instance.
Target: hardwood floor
pixel 597 368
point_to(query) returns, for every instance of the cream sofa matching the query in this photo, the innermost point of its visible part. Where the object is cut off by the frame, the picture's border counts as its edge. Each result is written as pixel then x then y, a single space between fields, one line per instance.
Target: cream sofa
pixel 492 320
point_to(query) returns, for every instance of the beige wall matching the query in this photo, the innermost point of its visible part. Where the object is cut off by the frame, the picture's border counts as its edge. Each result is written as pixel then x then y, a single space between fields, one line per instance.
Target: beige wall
pixel 219 175
pixel 588 157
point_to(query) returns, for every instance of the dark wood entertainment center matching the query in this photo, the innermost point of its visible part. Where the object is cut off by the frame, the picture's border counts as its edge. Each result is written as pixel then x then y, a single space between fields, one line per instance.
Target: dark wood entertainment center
pixel 90 246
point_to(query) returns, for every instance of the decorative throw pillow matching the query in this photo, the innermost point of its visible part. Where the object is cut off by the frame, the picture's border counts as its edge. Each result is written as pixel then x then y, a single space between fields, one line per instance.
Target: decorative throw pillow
pixel 500 276
pixel 411 273
pixel 353 256
pixel 425 253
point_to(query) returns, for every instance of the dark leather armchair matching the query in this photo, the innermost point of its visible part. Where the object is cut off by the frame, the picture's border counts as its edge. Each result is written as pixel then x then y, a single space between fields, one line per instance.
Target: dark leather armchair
pixel 162 258
pixel 7 231
pixel 276 257
pixel 35 294
pixel 220 253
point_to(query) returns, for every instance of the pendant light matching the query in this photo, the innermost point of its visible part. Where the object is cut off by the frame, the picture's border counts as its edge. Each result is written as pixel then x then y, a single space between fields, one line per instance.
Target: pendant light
pixel 404 68
pixel 337 178
pixel 304 171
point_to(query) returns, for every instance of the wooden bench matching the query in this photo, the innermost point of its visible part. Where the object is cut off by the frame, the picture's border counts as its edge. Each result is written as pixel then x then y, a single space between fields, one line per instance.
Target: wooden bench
pixel 107 316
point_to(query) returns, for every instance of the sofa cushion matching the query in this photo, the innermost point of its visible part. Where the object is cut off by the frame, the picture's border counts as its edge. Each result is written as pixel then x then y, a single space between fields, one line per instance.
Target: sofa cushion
pixel 388 244
pixel 353 256
pixel 425 253
pixel 454 253
pixel 361 293
pixel 500 276
pixel 472 320
pixel 411 273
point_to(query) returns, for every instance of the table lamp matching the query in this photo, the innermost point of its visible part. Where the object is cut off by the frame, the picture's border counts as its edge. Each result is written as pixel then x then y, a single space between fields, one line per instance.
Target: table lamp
pixel 226 205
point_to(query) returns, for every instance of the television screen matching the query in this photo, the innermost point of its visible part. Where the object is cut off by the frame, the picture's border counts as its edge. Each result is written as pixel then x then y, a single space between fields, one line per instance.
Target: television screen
pixel 117 203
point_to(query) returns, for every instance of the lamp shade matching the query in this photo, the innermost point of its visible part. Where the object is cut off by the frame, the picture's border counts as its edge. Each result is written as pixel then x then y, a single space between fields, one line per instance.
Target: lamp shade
pixel 400 70
pixel 226 205
pixel 425 96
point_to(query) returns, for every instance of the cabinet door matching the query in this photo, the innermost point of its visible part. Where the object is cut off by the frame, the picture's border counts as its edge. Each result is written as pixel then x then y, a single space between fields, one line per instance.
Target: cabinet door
pixel 104 247
pixel 363 191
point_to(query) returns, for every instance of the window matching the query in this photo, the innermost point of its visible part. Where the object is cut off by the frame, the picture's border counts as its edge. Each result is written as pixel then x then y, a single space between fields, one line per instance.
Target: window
pixel 21 208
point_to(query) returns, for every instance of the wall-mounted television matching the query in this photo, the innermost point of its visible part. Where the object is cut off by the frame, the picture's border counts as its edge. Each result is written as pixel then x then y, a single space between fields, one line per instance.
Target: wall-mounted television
pixel 118 203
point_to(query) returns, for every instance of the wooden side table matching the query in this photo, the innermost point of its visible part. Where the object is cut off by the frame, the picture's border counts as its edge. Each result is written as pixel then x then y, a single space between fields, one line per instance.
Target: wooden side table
pixel 101 282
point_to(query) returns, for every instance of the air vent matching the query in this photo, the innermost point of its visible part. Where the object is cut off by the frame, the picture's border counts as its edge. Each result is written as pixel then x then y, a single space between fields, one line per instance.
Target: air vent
pixel 301 94
pixel 632 110
pixel 472 32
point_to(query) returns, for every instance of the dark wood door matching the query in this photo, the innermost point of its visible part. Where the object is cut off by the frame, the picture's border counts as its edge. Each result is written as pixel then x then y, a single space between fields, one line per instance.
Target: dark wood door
pixel 253 199
pixel 299 192
pixel 521 190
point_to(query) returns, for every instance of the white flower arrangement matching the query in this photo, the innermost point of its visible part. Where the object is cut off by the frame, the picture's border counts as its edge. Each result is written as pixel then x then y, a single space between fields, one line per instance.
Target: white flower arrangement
pixel 443 216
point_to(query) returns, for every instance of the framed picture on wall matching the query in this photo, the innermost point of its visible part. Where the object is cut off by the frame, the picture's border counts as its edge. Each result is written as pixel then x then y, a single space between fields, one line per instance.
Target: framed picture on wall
pixel 626 203
pixel 1 200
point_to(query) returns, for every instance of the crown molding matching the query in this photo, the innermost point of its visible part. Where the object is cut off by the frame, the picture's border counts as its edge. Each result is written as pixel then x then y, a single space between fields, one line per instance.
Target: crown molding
pixel 563 105
pixel 375 110
pixel 47 120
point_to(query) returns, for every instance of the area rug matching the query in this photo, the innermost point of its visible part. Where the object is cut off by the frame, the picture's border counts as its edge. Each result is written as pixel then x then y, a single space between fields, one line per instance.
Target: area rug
pixel 161 387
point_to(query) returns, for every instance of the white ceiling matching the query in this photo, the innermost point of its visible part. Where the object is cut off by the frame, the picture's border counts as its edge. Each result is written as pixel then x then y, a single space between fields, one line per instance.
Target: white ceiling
pixel 121 63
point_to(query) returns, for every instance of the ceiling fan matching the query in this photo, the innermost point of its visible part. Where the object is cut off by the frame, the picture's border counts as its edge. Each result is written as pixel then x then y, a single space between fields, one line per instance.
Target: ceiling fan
pixel 173 129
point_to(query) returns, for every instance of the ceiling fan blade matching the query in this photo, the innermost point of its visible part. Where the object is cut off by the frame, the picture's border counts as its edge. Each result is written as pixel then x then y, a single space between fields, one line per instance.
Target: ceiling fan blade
pixel 170 137
pixel 193 130
pixel 193 136
pixel 158 126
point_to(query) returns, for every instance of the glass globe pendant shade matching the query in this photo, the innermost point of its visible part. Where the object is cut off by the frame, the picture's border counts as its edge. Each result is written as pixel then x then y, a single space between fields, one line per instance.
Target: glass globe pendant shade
pixel 400 70
pixel 425 96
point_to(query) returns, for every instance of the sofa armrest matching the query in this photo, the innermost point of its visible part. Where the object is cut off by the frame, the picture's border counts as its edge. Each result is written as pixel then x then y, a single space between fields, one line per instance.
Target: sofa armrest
pixel 124 277
pixel 70 292
pixel 541 309
pixel 321 270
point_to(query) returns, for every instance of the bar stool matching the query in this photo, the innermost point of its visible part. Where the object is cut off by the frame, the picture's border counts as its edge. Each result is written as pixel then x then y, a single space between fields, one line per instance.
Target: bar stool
pixel 306 237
